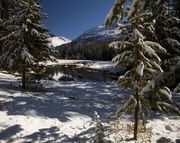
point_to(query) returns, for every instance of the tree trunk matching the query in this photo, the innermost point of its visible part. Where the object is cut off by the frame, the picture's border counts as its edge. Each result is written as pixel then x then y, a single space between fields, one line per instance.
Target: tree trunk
pixel 136 116
pixel 24 78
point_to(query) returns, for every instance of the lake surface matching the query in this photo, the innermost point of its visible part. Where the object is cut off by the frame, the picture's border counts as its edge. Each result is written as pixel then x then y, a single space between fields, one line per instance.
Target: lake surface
pixel 79 73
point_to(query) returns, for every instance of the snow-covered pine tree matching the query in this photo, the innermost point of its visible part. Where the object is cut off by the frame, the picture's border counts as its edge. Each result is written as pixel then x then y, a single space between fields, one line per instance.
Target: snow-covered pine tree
pixel 25 42
pixel 4 14
pixel 145 64
pixel 168 33
pixel 140 54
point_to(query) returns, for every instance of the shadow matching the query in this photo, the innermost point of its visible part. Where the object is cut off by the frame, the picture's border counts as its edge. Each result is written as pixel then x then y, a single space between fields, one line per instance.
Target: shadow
pixel 43 135
pixel 9 132
pixel 102 97
pixel 15 86
pixel 176 99
pixel 49 135
pixel 164 140
pixel 82 137
pixel 177 140
pixel 57 103
pixel 130 139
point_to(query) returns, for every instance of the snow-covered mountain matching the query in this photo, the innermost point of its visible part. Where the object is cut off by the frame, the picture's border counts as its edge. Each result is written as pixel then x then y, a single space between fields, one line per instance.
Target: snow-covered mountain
pixel 95 40
pixel 99 33
pixel 58 40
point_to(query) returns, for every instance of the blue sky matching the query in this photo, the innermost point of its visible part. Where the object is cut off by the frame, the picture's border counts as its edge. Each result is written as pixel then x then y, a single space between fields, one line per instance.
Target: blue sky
pixel 69 18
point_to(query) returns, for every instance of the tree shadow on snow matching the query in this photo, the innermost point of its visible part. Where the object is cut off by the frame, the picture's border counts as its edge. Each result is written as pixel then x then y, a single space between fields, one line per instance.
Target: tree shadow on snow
pixel 59 103
pixel 9 132
pixel 53 134
pixel 46 135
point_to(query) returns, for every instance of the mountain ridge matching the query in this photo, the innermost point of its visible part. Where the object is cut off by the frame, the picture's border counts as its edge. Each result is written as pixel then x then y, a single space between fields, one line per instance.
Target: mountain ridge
pixel 58 41
pixel 98 33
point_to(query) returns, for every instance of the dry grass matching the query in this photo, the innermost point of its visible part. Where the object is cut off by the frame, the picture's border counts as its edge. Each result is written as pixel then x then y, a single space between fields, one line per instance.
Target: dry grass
pixel 126 130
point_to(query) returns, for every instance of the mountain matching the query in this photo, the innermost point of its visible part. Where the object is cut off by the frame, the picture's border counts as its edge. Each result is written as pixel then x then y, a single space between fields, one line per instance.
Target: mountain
pixel 58 41
pixel 92 44
pixel 99 33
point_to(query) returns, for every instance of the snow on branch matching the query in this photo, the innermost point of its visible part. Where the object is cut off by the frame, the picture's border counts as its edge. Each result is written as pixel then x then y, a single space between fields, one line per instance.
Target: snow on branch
pixel 140 69
pixel 156 46
pixel 130 102
pixel 115 13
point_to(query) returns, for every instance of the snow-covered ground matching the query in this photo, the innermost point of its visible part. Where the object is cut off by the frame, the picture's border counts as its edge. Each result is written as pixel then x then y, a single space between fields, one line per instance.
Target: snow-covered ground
pixel 65 62
pixel 63 112
pixel 106 66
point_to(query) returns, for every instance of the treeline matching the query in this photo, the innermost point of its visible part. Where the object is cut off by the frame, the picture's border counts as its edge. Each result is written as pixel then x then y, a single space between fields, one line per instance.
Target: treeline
pixel 90 51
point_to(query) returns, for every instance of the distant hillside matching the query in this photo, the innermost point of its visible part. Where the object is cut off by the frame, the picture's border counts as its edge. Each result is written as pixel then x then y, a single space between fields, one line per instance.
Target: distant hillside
pixel 93 44
pixel 97 34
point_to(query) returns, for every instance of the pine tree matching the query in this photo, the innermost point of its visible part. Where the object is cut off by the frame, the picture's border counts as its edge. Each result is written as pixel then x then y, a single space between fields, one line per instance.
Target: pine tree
pixel 25 41
pixel 4 14
pixel 168 34
pixel 140 51
pixel 99 130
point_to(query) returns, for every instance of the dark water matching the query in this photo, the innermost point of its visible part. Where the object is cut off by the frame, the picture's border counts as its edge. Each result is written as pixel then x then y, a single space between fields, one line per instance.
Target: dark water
pixel 80 73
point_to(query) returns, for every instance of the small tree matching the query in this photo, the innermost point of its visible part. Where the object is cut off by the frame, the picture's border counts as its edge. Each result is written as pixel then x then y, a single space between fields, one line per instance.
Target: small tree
pixel 99 130
pixel 144 61
pixel 25 41
pixel 141 55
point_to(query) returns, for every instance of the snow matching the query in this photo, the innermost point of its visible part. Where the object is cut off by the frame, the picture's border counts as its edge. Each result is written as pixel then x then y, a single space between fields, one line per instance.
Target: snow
pixel 50 114
pixel 120 57
pixel 148 50
pixel 28 20
pixel 133 8
pixel 167 93
pixel 138 34
pixel 156 66
pixel 34 31
pixel 99 33
pixel 140 69
pixel 156 46
pixel 106 66
pixel 57 76
pixel 65 62
pixel 57 41
pixel 100 65
pixel 53 115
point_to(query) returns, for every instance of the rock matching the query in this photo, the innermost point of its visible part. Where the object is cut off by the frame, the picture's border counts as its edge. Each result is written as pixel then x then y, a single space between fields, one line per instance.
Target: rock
pixel 169 128
pixel 66 78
